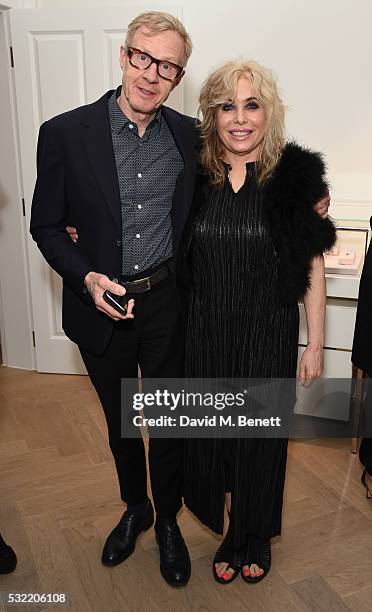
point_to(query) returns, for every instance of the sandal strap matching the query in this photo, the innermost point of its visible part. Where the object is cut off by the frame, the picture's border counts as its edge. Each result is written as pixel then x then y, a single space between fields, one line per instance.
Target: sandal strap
pixel 226 553
pixel 258 552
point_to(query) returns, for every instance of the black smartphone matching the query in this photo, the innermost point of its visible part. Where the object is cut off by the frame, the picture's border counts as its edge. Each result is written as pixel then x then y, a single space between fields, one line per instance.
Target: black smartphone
pixel 119 302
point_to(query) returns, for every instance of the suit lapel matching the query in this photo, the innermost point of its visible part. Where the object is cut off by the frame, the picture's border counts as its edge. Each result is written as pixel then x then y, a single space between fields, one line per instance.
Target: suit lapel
pixel 98 145
pixel 183 135
pixel 186 139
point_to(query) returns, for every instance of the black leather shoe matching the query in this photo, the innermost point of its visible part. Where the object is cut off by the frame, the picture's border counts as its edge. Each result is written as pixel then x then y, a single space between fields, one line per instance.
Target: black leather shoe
pixel 8 558
pixel 121 542
pixel 175 565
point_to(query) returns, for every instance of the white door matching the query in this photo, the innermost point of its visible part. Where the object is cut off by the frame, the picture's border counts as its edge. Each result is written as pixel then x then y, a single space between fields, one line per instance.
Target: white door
pixel 63 59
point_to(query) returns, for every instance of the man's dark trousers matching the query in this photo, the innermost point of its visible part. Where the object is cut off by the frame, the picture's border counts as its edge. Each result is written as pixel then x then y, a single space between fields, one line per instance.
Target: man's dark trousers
pixel 154 339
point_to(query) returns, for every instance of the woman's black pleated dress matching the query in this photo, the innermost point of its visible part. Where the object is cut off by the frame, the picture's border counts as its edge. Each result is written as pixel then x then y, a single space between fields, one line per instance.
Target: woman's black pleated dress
pixel 237 327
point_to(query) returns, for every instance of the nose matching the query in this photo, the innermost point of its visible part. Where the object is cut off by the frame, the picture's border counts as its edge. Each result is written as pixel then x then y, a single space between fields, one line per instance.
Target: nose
pixel 240 115
pixel 151 73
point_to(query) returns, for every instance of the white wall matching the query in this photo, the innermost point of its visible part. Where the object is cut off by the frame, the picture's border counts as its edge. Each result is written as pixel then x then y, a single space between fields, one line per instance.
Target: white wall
pixel 19 4
pixel 322 53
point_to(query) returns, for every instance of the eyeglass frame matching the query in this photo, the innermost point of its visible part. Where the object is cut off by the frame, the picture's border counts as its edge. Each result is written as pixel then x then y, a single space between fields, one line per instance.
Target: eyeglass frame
pixel 130 50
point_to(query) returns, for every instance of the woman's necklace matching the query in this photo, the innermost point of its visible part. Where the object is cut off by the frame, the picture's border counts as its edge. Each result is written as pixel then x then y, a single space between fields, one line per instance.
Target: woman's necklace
pixel 240 180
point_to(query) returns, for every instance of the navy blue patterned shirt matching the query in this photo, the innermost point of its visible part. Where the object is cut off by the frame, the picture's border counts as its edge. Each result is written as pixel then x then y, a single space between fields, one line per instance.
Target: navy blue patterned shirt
pixel 147 170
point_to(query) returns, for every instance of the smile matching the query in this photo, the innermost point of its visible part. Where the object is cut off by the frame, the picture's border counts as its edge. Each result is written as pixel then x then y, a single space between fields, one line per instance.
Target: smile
pixel 241 133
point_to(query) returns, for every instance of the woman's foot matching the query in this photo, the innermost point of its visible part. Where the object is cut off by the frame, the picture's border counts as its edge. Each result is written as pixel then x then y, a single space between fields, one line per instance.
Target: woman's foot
pixel 227 561
pixel 257 559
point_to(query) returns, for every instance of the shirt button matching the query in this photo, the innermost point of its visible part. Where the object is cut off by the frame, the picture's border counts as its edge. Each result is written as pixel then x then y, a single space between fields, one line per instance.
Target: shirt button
pixel 130 126
pixel 139 175
pixel 138 235
pixel 136 267
pixel 139 206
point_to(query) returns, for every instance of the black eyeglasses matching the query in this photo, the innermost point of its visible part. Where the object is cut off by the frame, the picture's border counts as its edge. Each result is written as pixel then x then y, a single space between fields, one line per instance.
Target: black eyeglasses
pixel 141 60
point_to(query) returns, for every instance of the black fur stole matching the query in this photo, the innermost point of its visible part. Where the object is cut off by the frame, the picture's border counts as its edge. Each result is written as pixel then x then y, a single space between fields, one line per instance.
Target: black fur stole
pixel 298 232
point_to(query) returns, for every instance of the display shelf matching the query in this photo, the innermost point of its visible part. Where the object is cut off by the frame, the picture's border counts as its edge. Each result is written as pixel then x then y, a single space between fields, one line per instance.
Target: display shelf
pixel 342 286
pixel 353 235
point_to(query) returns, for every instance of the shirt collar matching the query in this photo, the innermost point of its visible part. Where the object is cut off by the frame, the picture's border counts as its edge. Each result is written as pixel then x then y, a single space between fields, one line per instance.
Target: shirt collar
pixel 119 120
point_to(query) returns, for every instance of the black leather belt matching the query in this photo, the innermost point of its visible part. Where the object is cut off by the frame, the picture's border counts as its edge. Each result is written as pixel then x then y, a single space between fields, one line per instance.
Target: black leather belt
pixel 144 284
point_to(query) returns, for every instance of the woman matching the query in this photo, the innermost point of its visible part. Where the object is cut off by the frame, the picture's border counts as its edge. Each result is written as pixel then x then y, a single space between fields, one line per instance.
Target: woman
pixel 252 247
pixel 362 358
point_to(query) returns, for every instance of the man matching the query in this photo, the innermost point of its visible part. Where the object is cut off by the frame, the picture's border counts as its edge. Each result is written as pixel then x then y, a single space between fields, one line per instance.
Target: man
pixel 121 171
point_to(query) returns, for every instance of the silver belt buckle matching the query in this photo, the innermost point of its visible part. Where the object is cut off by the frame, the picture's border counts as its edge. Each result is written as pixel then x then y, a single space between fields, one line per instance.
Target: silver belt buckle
pixel 142 280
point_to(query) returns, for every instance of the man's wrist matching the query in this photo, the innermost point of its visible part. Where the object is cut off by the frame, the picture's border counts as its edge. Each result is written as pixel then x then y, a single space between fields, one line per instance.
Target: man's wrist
pixel 85 283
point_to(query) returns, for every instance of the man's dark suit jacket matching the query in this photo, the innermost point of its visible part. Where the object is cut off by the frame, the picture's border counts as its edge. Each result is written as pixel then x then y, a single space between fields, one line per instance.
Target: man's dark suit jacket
pixel 362 346
pixel 77 185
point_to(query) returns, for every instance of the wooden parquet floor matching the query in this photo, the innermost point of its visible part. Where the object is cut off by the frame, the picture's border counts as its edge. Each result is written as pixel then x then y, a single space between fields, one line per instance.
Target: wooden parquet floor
pixel 59 499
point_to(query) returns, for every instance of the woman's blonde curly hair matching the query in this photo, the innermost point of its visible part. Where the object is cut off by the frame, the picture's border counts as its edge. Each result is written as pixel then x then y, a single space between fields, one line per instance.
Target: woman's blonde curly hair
pixel 219 88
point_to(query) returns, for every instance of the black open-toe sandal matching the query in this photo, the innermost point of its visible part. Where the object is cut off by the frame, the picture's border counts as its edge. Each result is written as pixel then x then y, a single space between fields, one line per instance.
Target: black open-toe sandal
pixel 258 552
pixel 227 554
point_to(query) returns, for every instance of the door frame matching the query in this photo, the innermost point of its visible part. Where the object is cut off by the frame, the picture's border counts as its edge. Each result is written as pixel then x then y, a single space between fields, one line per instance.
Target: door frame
pixel 16 318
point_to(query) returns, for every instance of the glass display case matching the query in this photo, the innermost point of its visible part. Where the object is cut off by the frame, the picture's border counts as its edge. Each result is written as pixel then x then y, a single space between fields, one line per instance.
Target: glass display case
pixel 344 263
pixel 347 256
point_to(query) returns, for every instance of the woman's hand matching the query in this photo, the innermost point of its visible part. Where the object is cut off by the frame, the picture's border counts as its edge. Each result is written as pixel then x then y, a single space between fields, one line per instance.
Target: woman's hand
pixel 322 206
pixel 72 232
pixel 311 364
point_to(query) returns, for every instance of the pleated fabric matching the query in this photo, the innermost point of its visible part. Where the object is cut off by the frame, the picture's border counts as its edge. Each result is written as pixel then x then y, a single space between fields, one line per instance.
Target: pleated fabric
pixel 237 328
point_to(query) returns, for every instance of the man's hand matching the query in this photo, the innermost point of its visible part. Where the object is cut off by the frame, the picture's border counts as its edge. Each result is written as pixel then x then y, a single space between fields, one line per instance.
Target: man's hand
pixel 72 231
pixel 97 284
pixel 322 206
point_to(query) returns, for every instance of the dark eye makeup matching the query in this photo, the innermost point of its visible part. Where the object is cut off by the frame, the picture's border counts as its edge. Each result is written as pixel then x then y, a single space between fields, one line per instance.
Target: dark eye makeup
pixel 250 105
pixel 227 106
